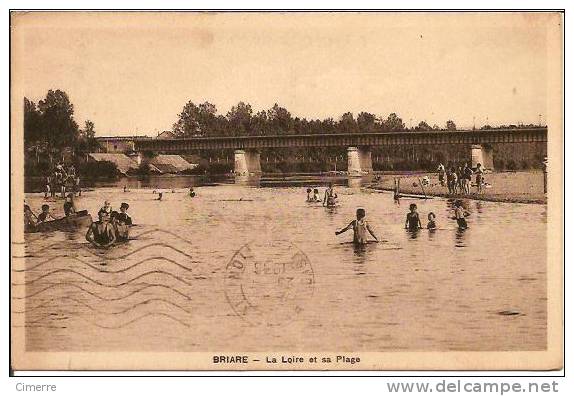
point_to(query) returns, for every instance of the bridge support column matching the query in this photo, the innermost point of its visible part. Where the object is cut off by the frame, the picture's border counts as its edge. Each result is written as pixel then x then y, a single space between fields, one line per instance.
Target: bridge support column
pixel 247 162
pixel 481 154
pixel 359 161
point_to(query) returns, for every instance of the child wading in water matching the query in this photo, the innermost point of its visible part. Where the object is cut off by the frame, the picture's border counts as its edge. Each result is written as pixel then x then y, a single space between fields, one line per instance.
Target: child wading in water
pixel 431 224
pixel 309 199
pixel 330 196
pixel 413 222
pixel 460 214
pixel 316 195
pixel 360 228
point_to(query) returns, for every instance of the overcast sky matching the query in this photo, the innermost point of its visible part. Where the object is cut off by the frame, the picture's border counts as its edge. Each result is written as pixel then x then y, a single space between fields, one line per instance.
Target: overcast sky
pixel 133 73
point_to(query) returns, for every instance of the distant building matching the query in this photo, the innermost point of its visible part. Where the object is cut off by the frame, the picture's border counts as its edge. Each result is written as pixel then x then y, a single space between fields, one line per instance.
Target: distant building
pixel 118 144
pixel 166 135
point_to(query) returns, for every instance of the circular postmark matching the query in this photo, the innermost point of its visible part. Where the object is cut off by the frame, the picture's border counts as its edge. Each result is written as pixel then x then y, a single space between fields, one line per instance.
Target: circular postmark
pixel 268 282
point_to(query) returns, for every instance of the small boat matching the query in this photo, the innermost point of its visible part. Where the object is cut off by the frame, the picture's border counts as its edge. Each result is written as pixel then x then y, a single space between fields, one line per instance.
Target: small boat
pixel 73 222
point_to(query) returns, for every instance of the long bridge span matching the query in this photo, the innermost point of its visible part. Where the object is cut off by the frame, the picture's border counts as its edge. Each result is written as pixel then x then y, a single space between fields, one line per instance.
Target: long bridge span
pixel 359 144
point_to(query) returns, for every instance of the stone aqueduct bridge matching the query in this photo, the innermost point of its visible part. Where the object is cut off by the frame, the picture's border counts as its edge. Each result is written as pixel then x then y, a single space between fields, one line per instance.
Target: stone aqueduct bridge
pixel 247 157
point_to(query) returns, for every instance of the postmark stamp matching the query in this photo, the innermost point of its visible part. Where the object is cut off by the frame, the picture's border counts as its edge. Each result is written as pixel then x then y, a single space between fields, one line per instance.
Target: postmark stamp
pixel 269 282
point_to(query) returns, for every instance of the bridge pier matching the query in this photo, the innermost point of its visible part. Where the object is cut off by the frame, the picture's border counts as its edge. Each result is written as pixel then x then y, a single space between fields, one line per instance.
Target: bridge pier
pixel 482 154
pixel 359 161
pixel 247 162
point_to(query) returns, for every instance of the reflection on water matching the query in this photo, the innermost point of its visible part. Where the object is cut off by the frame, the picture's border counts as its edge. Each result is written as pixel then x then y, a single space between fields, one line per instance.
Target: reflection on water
pixel 460 237
pixel 166 290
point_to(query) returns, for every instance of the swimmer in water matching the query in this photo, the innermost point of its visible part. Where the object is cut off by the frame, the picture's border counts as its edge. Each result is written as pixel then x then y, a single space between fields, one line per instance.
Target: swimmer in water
pixel 431 224
pixel 101 233
pixel 45 215
pixel 330 196
pixel 107 207
pixel 70 205
pixel 122 222
pixel 123 216
pixel 360 228
pixel 460 214
pixel 316 195
pixel 29 218
pixel 413 222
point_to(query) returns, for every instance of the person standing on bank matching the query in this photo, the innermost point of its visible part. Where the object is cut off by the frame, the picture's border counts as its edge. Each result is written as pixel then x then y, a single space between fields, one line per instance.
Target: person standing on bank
pixel 479 177
pixel 441 173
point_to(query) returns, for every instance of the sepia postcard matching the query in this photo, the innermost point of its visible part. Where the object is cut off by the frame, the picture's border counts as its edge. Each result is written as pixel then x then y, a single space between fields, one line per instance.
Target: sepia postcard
pixel 286 190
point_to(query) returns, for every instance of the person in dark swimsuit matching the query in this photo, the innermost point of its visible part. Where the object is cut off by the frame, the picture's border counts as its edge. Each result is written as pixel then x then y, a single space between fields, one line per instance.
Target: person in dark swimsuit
pixel 123 216
pixel 413 222
pixel 122 222
pixel 101 233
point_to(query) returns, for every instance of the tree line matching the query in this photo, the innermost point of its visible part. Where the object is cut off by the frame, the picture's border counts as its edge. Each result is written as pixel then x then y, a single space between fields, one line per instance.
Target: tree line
pixel 203 120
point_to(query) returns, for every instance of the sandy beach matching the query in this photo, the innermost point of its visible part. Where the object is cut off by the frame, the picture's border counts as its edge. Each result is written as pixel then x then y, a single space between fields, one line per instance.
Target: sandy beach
pixel 519 187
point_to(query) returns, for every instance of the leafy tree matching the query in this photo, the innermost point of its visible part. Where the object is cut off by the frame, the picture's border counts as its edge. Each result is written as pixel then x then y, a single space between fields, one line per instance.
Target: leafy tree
pixel 347 124
pixel 196 120
pixel 58 127
pixel 366 122
pixel 328 125
pixel 423 126
pixel 260 124
pixel 32 122
pixel 450 125
pixel 49 127
pixel 279 120
pixel 87 140
pixel 393 123
pixel 239 120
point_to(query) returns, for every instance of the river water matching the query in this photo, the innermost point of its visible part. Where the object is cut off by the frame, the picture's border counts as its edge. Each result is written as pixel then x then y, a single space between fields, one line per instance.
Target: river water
pixel 172 287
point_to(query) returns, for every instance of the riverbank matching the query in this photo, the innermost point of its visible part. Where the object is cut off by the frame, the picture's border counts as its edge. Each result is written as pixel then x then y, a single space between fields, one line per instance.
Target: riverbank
pixel 516 187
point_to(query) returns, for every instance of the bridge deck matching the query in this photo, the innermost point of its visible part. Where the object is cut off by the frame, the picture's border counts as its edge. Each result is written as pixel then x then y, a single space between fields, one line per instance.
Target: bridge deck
pixel 489 136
